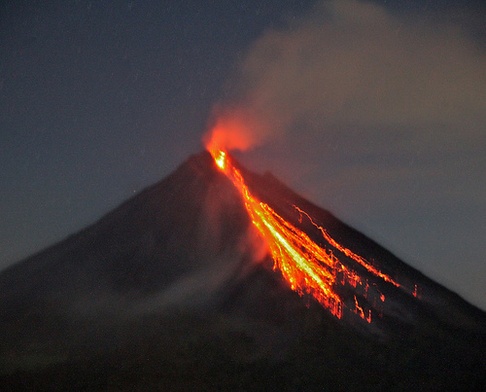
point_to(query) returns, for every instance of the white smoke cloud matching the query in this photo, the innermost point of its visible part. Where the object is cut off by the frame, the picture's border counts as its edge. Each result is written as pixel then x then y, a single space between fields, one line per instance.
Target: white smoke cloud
pixel 354 63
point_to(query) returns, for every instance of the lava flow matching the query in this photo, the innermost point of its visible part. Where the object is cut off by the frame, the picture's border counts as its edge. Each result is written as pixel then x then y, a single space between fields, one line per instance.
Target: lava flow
pixel 307 267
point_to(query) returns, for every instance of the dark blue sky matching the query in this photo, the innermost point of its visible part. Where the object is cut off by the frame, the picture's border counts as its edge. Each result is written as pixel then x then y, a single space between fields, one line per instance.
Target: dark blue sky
pixel 100 99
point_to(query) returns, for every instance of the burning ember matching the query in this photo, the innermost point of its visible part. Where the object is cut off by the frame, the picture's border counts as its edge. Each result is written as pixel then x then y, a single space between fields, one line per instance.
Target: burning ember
pixel 306 266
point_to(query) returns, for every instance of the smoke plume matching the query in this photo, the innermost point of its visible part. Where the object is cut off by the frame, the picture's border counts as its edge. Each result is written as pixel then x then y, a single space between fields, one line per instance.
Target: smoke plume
pixel 354 63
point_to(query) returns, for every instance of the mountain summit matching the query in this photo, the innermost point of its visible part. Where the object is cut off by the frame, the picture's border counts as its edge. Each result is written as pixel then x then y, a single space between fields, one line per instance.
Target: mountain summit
pixel 174 290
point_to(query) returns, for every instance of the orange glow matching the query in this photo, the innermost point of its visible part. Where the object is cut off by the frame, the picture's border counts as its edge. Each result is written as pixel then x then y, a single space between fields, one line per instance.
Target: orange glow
pixel 307 267
pixel 231 131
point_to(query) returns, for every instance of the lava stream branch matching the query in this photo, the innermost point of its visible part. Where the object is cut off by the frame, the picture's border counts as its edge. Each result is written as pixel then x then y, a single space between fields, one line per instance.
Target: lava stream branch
pixel 360 260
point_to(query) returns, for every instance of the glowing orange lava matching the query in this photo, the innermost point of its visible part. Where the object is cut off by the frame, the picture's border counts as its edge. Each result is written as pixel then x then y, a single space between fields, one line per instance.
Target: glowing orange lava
pixel 307 267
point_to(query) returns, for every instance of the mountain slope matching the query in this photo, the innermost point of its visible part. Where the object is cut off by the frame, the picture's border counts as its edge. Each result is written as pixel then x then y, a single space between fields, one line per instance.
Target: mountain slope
pixel 168 292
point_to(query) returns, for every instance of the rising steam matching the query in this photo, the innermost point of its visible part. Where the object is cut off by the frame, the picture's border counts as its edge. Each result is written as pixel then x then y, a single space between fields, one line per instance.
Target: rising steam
pixel 353 63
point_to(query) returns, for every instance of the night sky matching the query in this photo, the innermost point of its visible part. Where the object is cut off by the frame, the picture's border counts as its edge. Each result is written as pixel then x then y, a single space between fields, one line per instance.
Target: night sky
pixel 373 110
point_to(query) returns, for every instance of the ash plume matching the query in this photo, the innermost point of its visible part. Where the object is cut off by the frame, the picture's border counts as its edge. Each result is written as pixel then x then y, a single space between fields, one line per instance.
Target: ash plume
pixel 354 63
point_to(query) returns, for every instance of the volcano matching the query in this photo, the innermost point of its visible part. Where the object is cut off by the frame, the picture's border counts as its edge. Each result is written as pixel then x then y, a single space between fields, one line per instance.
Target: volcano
pixel 175 290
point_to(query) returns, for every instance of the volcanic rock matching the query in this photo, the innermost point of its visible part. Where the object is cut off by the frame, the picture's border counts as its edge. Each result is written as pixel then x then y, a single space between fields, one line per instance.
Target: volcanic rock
pixel 173 291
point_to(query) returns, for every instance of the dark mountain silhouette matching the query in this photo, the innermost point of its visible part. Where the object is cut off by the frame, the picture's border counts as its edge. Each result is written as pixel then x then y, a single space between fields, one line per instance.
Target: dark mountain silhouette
pixel 167 292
